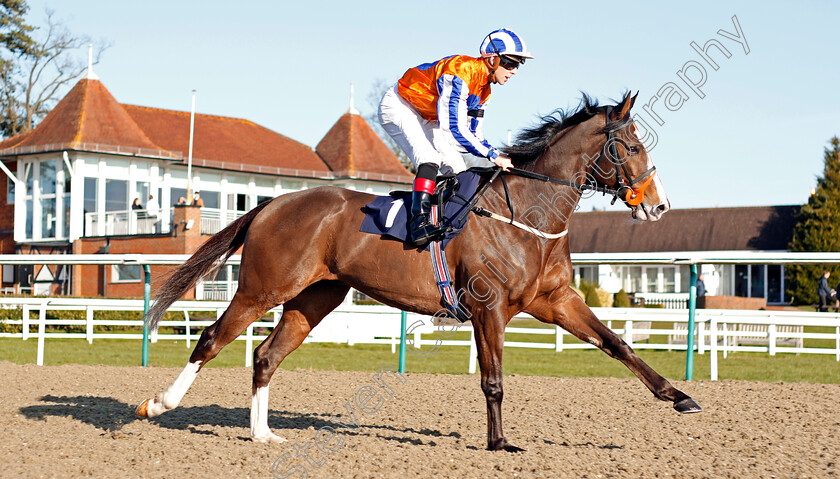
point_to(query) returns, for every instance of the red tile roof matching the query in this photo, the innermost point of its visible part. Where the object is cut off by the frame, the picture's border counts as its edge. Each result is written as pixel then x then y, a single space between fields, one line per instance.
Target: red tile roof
pixel 351 147
pixel 88 114
pixel 88 118
pixel 701 229
pixel 224 139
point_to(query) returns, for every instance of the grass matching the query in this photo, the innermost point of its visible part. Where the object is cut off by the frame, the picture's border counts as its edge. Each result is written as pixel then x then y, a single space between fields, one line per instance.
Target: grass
pixel 449 359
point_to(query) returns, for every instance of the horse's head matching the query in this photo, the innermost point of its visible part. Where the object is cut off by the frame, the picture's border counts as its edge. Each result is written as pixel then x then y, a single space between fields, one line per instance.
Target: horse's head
pixel 624 164
pixel 594 148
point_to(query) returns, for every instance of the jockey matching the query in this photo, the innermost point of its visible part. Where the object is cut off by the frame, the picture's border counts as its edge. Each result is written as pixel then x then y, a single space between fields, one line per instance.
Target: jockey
pixel 435 113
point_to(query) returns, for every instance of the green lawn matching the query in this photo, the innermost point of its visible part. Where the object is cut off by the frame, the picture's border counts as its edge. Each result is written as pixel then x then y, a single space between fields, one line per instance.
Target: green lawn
pixel 450 359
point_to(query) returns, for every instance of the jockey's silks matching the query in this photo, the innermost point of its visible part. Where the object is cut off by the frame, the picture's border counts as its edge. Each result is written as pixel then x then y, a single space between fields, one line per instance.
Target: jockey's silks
pixel 453 92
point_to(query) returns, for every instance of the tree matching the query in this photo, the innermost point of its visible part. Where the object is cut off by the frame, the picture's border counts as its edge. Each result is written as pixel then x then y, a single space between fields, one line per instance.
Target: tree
pixel 35 68
pixel 377 91
pixel 817 229
pixel 14 42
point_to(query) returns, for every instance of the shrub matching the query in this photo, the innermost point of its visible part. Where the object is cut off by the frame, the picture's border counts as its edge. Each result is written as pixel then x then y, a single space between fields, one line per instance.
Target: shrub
pixel 593 299
pixel 621 299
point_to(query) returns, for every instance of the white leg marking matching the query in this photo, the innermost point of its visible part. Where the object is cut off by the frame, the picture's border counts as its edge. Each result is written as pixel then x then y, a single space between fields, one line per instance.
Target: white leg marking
pixel 259 418
pixel 170 398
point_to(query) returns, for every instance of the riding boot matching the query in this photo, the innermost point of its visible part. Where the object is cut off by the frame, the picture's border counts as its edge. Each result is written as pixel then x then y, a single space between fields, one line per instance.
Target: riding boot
pixel 420 227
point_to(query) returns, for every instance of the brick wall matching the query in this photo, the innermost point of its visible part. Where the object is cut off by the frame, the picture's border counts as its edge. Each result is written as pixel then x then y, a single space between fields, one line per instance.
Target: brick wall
pixel 734 302
pixel 98 280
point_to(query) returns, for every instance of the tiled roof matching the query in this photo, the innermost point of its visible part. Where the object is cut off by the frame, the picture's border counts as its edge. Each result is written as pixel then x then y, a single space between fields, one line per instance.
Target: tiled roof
pixel 702 229
pixel 88 114
pixel 352 147
pixel 88 118
pixel 224 139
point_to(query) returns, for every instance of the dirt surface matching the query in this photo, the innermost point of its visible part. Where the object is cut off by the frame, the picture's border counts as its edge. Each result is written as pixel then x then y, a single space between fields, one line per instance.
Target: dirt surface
pixel 78 421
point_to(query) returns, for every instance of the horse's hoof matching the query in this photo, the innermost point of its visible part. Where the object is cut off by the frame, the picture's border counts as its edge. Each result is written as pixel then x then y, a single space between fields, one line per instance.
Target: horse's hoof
pixel 143 409
pixel 269 438
pixel 503 445
pixel 687 406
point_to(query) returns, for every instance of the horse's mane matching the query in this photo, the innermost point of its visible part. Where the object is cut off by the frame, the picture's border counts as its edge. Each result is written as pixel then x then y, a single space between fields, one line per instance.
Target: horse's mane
pixel 531 142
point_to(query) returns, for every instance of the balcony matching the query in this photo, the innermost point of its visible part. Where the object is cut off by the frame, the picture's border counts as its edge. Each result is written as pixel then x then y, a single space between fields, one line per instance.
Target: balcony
pixel 139 222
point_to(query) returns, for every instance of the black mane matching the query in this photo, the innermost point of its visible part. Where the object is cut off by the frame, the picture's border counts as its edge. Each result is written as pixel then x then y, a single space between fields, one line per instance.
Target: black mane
pixel 530 143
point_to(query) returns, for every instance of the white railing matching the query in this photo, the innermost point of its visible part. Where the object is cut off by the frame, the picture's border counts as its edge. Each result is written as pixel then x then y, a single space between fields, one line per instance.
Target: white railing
pixel 216 290
pixel 126 222
pixel 214 219
pixel 716 329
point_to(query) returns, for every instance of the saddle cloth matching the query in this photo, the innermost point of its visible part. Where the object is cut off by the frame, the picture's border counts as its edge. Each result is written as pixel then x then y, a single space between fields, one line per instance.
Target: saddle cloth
pixel 389 215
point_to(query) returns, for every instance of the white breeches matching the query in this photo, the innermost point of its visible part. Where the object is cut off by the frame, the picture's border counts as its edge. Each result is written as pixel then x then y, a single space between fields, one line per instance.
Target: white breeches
pixel 422 140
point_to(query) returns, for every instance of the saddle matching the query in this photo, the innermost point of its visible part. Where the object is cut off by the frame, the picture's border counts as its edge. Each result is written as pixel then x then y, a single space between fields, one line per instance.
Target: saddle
pixel 388 215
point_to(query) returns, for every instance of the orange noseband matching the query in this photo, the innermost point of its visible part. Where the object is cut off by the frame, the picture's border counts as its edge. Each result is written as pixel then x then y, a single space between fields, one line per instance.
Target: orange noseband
pixel 635 196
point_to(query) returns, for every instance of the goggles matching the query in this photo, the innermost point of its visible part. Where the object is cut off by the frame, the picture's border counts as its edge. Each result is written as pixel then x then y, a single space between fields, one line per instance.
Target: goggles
pixel 510 63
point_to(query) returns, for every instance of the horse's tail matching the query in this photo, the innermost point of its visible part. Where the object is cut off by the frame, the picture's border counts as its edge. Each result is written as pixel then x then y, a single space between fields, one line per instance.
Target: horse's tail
pixel 206 259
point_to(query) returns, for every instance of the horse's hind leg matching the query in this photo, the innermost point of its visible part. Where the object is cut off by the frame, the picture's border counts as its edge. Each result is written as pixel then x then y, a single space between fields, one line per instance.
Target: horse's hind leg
pixel 300 315
pixel 573 315
pixel 243 310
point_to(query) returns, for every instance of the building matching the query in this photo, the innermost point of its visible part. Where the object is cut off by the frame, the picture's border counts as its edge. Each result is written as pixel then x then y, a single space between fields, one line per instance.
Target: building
pixel 765 228
pixel 70 184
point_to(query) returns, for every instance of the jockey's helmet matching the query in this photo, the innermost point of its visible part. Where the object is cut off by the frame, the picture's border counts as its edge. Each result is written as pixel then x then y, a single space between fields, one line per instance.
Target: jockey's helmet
pixel 503 43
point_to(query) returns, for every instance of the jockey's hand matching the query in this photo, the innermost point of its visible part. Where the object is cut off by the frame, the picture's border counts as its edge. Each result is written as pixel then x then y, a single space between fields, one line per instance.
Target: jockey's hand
pixel 503 162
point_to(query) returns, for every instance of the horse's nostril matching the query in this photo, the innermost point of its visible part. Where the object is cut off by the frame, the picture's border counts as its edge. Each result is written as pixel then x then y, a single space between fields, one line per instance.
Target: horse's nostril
pixel 660 209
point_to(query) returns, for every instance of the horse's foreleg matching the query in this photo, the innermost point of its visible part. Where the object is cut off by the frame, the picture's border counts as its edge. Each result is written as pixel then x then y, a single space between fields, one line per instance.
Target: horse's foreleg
pixel 489 341
pixel 300 315
pixel 241 312
pixel 572 314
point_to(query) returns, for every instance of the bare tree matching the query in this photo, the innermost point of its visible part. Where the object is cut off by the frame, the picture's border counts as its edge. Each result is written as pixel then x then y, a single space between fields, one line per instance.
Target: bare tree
pixel 378 89
pixel 34 79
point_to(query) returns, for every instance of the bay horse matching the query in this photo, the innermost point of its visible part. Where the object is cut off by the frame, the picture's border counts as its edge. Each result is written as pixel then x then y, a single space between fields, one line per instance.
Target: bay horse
pixel 304 250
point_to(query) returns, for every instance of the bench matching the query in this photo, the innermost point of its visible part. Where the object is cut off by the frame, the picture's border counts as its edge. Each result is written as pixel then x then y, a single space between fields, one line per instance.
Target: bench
pixel 746 335
pixel 636 337
pixel 758 335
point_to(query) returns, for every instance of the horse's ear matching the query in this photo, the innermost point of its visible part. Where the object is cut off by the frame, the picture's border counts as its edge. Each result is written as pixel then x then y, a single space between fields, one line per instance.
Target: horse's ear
pixel 622 109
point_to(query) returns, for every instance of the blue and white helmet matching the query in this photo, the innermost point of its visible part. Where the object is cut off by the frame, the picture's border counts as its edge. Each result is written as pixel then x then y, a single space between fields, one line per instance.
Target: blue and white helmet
pixel 504 42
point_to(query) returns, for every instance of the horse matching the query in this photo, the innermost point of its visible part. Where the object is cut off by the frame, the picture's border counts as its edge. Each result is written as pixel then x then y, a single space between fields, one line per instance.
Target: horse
pixel 304 250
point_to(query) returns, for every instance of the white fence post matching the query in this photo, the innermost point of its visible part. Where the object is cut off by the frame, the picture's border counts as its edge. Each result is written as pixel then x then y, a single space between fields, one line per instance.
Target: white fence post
pixel 726 338
pixel 187 328
pixel 558 338
pixel 771 334
pixel 628 332
pixel 25 319
pixel 42 326
pixel 89 324
pixel 473 353
pixel 837 344
pixel 249 346
pixel 713 361
pixel 701 326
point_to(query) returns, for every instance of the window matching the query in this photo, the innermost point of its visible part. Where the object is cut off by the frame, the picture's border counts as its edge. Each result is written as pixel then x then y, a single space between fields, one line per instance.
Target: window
pixel 775 282
pixel 175 194
pixel 634 280
pixel 116 195
pixel 669 277
pixel 211 199
pixel 126 273
pixel 8 273
pixel 652 279
pixel 10 191
pixel 263 199
pixel 757 281
pixel 742 278
pixel 586 273
pixel 91 193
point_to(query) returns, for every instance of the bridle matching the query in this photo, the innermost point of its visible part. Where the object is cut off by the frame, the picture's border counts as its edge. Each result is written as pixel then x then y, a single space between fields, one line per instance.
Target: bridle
pixel 629 192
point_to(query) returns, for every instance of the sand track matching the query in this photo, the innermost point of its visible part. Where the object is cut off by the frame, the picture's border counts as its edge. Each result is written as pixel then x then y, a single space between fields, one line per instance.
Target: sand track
pixel 78 421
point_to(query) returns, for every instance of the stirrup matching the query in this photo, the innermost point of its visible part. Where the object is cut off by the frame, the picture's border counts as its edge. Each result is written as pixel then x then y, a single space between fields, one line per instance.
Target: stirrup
pixel 425 232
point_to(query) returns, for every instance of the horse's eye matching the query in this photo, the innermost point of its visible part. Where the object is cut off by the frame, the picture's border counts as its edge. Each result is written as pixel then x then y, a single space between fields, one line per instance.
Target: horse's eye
pixel 634 150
